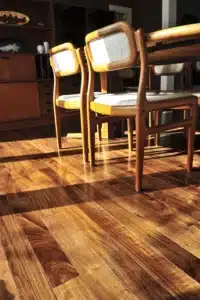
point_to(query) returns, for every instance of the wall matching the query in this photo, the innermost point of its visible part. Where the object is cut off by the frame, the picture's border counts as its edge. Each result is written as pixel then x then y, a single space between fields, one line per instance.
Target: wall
pixel 146 14
pixel 187 7
pixel 97 3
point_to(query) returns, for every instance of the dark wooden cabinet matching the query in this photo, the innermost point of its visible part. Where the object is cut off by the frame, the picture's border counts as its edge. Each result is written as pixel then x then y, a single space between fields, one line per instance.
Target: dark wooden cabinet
pixel 46 97
pixel 19 101
pixel 17 67
pixel 19 94
pixel 24 98
pixel 26 81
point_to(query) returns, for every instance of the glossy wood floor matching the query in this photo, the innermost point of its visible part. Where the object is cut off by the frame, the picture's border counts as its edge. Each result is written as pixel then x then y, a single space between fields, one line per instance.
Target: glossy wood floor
pixel 71 232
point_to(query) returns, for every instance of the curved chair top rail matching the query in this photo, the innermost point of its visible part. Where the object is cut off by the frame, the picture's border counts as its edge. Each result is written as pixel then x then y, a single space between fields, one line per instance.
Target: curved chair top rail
pixel 64 60
pixel 112 47
pixel 173 34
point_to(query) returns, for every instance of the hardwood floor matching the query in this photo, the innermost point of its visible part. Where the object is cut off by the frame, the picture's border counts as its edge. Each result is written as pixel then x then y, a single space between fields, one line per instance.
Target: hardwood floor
pixel 73 232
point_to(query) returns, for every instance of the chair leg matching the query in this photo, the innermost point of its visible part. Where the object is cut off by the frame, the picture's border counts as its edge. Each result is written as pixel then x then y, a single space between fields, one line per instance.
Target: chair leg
pixel 91 137
pixel 185 116
pixel 157 123
pixel 130 133
pixel 150 125
pixel 191 138
pixel 99 126
pixel 58 125
pixel 84 135
pixel 140 138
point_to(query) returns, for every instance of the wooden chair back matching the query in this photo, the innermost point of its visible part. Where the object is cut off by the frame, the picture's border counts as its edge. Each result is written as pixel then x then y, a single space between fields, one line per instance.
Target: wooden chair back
pixel 114 48
pixel 64 60
pixel 176 69
pixel 166 70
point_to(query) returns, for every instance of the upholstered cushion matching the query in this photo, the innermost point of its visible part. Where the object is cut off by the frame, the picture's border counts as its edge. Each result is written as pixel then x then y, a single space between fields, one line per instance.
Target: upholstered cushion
pixel 65 61
pixel 116 103
pixel 71 101
pixel 196 92
pixel 124 99
pixel 109 49
pixel 169 69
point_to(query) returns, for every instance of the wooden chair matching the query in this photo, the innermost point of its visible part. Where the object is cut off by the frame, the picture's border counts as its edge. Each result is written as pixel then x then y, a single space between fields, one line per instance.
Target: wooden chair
pixel 185 70
pixel 118 47
pixel 66 61
pixel 179 70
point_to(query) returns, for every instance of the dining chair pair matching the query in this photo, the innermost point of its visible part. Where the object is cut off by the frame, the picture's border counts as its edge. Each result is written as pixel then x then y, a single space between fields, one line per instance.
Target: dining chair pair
pixel 117 47
pixel 65 60
pixel 181 73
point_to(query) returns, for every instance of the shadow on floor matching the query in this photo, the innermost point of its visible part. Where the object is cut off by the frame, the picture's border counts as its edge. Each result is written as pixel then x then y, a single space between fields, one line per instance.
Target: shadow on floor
pixel 61 196
pixel 100 148
pixel 53 154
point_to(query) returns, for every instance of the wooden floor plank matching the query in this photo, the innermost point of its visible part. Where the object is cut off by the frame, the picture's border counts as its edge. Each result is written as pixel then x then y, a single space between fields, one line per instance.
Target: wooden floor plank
pixel 55 263
pixel 167 219
pixel 172 278
pixel 8 289
pixel 27 273
pixel 74 289
pixel 127 269
pixel 128 214
pixel 98 276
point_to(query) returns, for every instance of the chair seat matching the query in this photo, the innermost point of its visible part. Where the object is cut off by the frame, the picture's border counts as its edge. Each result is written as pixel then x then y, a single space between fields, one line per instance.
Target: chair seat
pixel 197 94
pixel 71 101
pixel 120 103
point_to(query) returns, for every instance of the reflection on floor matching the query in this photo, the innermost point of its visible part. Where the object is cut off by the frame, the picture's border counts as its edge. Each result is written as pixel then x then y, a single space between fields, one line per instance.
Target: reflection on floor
pixel 69 231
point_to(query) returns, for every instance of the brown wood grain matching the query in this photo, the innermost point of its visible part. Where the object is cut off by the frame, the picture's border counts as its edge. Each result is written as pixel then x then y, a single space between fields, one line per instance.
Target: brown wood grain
pixel 60 218
pixel 190 31
pixel 74 289
pixel 127 269
pixel 27 273
pixel 55 263
pixel 8 289
pixel 98 276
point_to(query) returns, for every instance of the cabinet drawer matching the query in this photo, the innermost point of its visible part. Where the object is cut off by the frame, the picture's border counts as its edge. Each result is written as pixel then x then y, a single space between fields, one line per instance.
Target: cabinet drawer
pixel 19 101
pixel 46 98
pixel 17 67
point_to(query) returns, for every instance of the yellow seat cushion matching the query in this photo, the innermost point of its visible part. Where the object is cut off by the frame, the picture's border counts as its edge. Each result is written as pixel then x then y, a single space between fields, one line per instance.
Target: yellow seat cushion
pixel 69 101
pixel 196 92
pixel 72 101
pixel 124 104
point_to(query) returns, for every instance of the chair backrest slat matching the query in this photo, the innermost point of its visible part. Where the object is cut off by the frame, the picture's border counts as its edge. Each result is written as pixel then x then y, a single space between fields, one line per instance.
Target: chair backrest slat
pixel 170 69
